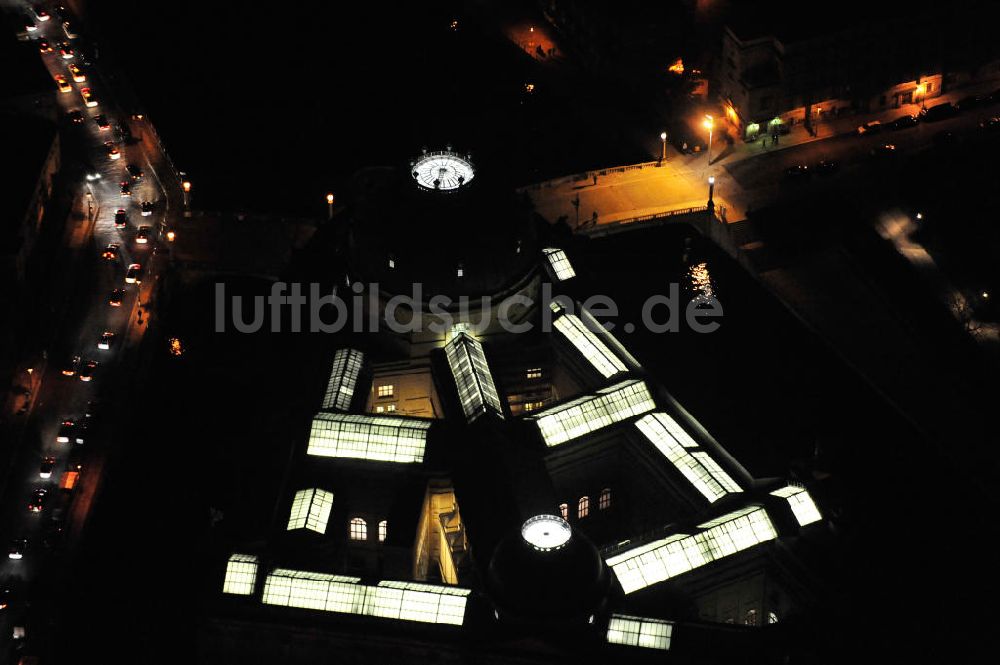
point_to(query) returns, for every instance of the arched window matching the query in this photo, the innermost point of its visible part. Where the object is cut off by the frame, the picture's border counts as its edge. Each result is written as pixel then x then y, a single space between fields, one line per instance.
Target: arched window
pixel 750 618
pixel 772 617
pixel 583 507
pixel 604 500
pixel 359 529
pixel 564 510
pixel 383 530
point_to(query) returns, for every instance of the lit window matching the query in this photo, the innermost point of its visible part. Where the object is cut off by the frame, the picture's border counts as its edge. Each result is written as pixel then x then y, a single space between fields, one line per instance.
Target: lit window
pixel 559 262
pixel 380 409
pixel 604 500
pixel 460 272
pixel 476 390
pixel 564 510
pixel 310 510
pixel 343 379
pixel 534 373
pixel 533 406
pixel 589 413
pixel 383 530
pixel 802 505
pixel 373 438
pixel 241 574
pixel 389 408
pixel 583 507
pixel 750 618
pixel 359 529
pixel 392 262
pixel 593 349
pixel 639 632
pixel 772 617
pixel 385 390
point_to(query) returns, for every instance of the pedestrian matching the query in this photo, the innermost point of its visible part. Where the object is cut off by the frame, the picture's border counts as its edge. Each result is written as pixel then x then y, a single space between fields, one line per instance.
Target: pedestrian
pixel 595 178
pixel 763 143
pixel 593 218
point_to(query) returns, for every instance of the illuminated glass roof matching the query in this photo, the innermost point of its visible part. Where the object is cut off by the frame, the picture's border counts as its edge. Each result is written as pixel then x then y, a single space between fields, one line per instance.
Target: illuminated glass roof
pixel 589 345
pixel 343 379
pixel 698 467
pixel 442 170
pixel 639 632
pixel 546 532
pixel 241 574
pixel 559 262
pixel 310 510
pixel 803 507
pixel 642 566
pixel 589 413
pixel 476 389
pixel 375 438
pixel 406 601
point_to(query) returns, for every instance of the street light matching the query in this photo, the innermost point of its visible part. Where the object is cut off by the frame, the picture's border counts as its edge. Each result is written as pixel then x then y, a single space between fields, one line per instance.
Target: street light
pixel 186 186
pixel 711 193
pixel 663 139
pixel 709 124
pixel 922 91
pixel 329 205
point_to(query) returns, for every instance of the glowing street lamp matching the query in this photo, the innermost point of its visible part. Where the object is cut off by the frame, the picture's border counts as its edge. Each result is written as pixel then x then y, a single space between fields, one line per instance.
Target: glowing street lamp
pixel 186 186
pixel 711 193
pixel 922 91
pixel 663 139
pixel 709 124
pixel 329 205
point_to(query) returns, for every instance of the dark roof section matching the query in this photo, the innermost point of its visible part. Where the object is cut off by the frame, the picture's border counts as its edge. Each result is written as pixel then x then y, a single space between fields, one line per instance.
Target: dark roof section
pixel 23 72
pixel 26 142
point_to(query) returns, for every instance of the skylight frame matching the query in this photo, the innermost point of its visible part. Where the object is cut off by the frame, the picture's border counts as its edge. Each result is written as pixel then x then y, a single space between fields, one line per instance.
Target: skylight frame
pixel 366 437
pixel 476 390
pixel 344 373
pixel 565 422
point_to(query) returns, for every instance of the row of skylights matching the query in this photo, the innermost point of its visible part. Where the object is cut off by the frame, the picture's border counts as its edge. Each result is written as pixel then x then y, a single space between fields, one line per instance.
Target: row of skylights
pixel 642 566
pixel 476 389
pixel 375 438
pixel 698 467
pixel 343 379
pixel 639 632
pixel 310 510
pixel 589 345
pixel 406 601
pixel 559 262
pixel 241 574
pixel 589 413
pixel 802 505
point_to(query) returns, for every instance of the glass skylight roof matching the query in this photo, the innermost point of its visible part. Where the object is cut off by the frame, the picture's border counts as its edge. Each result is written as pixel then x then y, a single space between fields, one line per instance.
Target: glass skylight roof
pixel 546 532
pixel 375 438
pixel 476 389
pixel 642 566
pixel 589 345
pixel 559 262
pixel 698 467
pixel 310 510
pixel 343 379
pixel 241 574
pixel 589 413
pixel 407 601
pixel 639 632
pixel 803 506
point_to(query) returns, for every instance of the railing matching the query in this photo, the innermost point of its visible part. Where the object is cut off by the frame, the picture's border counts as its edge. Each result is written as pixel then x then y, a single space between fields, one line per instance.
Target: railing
pixel 588 175
pixel 610 227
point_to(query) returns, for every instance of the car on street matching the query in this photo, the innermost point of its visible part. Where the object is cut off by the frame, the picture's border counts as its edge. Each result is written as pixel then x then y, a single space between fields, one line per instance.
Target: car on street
pixel 45 46
pixel 826 167
pixel 121 219
pixel 29 23
pixel 102 122
pixel 104 343
pixel 147 208
pixel 69 369
pixel 93 174
pixel 38 11
pixel 6 596
pixel 69 31
pixel 112 150
pixel 17 548
pixel 133 274
pixel 869 128
pixel 76 72
pixel 66 51
pixel 111 251
pixel 990 124
pixel 797 172
pixel 87 371
pixel 883 150
pixel 116 298
pixel 45 468
pixel 134 172
pixel 126 188
pixel 971 102
pixel 938 112
pixel 75 116
pixel 67 431
pixel 37 501
pixel 142 235
pixel 903 122
pixel 89 99
pixel 62 83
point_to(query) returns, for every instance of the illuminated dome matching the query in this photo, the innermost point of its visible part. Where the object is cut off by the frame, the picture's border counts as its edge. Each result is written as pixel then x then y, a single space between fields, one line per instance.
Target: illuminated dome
pixel 442 171
pixel 546 532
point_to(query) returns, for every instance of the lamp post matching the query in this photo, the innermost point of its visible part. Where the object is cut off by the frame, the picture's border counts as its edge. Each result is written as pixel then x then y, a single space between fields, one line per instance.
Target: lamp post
pixel 711 194
pixel 709 124
pixel 663 140
pixel 186 186
pixel 329 205
pixel 90 206
pixel 922 91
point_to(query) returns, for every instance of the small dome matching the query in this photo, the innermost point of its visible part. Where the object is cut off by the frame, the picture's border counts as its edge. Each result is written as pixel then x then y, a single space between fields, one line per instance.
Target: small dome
pixel 548 573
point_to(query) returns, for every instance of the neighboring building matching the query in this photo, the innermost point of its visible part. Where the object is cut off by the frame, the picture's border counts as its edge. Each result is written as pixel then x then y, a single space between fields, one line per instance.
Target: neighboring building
pixel 465 493
pixel 787 65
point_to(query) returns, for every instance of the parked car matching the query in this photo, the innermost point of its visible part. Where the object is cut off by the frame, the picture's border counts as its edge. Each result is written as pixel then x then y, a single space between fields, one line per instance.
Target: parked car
pixel 883 150
pixel 938 112
pixel 826 167
pixel 903 122
pixel 797 172
pixel 873 127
